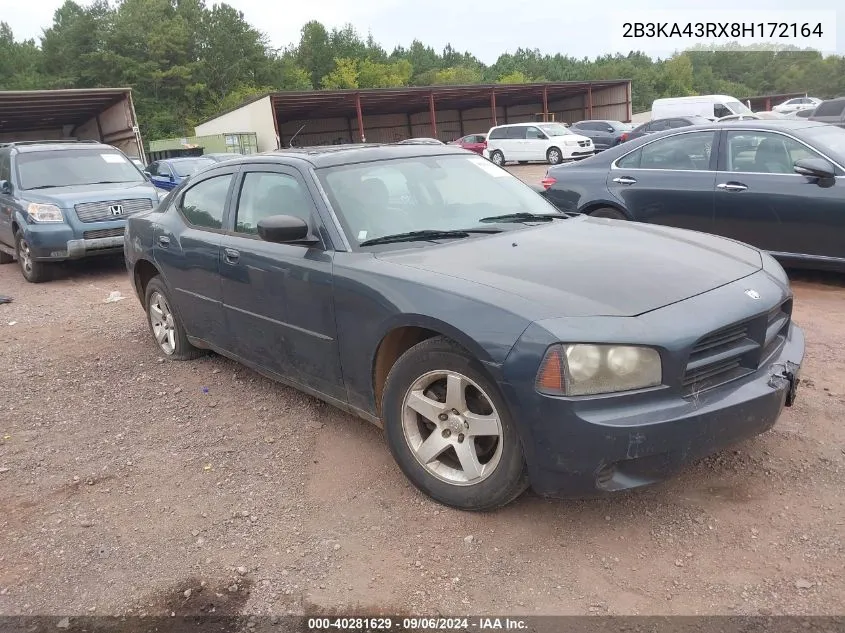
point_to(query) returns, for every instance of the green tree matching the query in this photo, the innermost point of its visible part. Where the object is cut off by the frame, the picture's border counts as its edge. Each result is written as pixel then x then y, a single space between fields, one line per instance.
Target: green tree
pixel 344 75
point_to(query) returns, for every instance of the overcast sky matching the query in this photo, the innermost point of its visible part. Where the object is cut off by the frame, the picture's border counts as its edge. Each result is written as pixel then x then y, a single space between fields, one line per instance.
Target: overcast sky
pixel 489 27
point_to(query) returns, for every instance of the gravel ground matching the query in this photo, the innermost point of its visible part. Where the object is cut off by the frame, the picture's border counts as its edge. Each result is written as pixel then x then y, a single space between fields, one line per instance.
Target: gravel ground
pixel 130 485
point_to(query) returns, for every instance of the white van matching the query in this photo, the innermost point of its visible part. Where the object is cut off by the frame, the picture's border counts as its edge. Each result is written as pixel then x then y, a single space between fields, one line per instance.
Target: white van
pixel 709 106
pixel 547 142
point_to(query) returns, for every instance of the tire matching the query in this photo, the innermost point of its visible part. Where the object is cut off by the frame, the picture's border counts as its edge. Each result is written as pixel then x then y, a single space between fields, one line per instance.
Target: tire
pixel 498 158
pixel 34 272
pixel 164 322
pixel 609 212
pixel 554 156
pixel 490 471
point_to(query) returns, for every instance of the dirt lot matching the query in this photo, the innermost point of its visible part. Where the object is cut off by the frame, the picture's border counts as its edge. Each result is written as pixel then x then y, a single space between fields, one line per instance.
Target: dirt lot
pixel 126 481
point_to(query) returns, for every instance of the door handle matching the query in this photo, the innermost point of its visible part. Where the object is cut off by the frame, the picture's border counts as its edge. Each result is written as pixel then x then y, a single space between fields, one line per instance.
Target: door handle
pixel 164 241
pixel 232 255
pixel 625 180
pixel 731 186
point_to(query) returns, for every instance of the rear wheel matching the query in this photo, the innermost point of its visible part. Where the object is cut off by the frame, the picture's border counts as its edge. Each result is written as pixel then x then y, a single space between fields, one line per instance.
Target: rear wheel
pixel 167 328
pixel 554 156
pixel 449 429
pixel 497 157
pixel 33 271
pixel 609 212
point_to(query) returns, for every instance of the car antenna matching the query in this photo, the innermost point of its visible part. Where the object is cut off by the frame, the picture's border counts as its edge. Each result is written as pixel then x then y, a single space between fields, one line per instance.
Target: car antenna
pixel 290 143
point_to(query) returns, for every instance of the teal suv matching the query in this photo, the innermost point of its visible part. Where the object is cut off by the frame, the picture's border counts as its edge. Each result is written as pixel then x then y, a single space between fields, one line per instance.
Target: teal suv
pixel 63 200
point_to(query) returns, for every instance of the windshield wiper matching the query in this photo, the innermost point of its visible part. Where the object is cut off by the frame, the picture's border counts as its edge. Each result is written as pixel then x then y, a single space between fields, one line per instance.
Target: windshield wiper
pixel 427 234
pixel 524 217
pixel 110 182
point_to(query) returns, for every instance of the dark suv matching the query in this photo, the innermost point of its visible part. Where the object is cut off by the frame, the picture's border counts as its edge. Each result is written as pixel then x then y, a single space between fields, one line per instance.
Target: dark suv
pixel 64 200
pixel 831 111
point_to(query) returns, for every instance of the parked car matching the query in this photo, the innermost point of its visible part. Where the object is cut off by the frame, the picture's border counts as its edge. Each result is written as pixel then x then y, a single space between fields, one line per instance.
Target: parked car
pixel 63 200
pixel 779 185
pixel 445 318
pixel 168 173
pixel 539 142
pixel 710 107
pixel 801 115
pixel 739 117
pixel 221 156
pixel 421 141
pixel 659 125
pixel 832 111
pixel 799 103
pixel 473 142
pixel 604 134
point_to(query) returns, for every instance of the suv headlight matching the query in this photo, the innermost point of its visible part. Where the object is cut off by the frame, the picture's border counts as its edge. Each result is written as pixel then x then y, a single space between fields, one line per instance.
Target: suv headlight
pixel 571 142
pixel 584 369
pixel 44 213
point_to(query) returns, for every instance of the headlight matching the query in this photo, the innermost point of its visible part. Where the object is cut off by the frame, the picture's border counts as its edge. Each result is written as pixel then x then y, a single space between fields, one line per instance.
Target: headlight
pixel 583 370
pixel 571 142
pixel 44 212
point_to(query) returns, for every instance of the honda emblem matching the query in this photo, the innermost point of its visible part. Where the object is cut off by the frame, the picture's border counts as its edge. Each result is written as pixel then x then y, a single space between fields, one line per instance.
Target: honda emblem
pixel 116 209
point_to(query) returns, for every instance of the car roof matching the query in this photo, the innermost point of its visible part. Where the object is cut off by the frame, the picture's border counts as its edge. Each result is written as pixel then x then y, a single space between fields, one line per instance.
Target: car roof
pixel 334 155
pixel 527 123
pixel 180 158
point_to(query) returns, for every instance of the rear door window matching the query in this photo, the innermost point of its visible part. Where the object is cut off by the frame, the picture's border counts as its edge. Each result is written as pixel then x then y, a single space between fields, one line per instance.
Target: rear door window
pixel 516 132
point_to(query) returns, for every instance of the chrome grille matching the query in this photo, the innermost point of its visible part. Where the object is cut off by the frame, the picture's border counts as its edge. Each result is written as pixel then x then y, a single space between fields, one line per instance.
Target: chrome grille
pixel 584 143
pixel 101 211
pixel 92 235
pixel 736 350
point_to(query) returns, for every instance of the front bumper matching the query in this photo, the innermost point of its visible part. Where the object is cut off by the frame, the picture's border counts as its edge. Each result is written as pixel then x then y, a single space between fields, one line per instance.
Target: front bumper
pixel 578 447
pixel 600 450
pixel 60 242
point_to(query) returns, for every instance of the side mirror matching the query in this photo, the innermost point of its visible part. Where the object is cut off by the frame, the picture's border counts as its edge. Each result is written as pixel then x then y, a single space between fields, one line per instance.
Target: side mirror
pixel 611 130
pixel 171 178
pixel 283 229
pixel 5 187
pixel 815 168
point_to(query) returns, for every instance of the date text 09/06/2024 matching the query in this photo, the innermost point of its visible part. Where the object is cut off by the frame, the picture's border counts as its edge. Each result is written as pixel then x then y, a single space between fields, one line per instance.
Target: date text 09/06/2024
pixel 700 30
pixel 415 624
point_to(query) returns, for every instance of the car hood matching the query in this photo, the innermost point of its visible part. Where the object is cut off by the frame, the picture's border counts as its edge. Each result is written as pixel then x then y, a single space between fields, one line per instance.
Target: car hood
pixel 67 197
pixel 591 266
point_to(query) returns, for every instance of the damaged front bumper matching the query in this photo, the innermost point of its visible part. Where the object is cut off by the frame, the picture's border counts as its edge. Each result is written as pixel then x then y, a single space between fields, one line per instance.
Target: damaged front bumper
pixel 597 446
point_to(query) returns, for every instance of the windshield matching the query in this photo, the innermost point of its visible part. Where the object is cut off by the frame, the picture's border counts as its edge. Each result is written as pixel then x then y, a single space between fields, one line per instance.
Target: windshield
pixel 71 167
pixel 440 193
pixel 554 129
pixel 190 167
pixel 829 139
pixel 737 107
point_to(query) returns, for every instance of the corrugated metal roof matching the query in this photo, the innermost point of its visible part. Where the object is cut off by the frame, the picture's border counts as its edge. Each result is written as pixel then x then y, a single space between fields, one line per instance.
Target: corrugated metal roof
pixel 47 109
pixel 341 103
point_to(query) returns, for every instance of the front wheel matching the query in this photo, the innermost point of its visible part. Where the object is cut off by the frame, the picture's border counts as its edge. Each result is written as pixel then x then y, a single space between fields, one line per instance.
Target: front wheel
pixel 167 328
pixel 33 271
pixel 554 156
pixel 449 429
pixel 498 158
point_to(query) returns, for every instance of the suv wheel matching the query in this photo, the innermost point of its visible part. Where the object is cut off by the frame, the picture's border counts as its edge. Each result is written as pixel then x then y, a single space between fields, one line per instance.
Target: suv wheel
pixel 449 429
pixel 33 271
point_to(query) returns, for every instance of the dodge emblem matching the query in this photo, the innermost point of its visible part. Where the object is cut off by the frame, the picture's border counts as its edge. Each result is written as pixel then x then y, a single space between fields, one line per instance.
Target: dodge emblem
pixel 116 209
pixel 752 293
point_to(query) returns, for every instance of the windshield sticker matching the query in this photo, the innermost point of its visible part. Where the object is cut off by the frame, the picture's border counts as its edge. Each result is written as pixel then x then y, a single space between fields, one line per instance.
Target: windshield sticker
pixel 362 235
pixel 489 167
pixel 112 158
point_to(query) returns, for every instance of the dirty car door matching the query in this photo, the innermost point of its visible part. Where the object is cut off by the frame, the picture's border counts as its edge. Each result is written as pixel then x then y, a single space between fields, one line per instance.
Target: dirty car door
pixel 278 298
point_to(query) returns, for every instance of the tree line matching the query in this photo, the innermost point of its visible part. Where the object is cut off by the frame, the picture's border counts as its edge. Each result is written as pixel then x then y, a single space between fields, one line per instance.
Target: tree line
pixel 187 61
